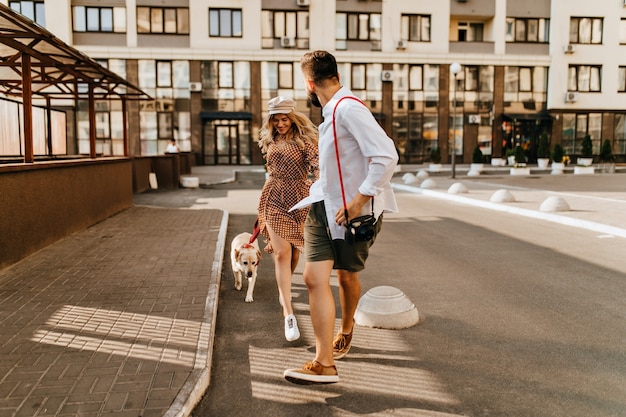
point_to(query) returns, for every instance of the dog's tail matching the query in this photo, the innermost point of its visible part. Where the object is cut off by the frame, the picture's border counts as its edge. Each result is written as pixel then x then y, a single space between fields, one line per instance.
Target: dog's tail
pixel 256 231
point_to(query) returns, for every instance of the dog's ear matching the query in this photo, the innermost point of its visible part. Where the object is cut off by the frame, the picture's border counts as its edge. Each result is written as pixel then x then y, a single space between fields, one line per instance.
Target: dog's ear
pixel 237 253
pixel 258 256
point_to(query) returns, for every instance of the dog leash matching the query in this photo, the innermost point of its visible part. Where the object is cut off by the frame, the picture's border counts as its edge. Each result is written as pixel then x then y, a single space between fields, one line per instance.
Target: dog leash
pixel 255 232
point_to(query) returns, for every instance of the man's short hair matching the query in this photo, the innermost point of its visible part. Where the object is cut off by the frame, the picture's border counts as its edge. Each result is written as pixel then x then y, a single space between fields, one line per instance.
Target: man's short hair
pixel 320 66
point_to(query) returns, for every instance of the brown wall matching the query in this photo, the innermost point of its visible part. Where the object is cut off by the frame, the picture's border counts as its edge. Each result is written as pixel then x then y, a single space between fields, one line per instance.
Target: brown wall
pixel 44 202
pixel 168 169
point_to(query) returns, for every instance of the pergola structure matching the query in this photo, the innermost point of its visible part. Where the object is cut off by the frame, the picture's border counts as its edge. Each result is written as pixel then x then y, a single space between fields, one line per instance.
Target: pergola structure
pixel 35 63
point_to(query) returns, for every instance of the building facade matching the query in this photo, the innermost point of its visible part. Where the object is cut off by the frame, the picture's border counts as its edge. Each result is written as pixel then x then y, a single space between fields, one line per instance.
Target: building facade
pixel 553 67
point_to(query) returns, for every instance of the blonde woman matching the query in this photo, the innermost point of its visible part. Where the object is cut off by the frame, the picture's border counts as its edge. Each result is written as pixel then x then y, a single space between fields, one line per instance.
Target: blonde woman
pixel 289 144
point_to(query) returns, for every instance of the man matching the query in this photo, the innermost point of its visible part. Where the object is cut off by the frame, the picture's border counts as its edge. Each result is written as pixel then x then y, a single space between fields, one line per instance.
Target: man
pixel 368 159
pixel 172 147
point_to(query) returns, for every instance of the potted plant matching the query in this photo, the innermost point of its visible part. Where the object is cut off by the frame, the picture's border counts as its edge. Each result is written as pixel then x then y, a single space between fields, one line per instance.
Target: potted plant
pixel 510 156
pixel 586 156
pixel 435 160
pixel 477 162
pixel 520 158
pixel 606 157
pixel 520 167
pixel 543 151
pixel 583 163
pixel 557 160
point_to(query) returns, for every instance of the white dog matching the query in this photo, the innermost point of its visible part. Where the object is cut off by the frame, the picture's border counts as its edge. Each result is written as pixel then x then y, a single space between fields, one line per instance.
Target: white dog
pixel 244 258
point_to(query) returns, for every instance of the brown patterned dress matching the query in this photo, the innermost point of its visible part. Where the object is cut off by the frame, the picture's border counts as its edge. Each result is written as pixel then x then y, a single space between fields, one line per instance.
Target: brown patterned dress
pixel 290 170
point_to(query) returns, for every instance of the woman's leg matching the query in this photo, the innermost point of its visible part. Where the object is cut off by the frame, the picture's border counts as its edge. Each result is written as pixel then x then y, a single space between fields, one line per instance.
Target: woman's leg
pixel 283 258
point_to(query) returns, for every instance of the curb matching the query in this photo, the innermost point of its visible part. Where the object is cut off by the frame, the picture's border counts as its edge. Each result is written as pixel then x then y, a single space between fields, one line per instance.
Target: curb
pixel 198 382
pixel 555 218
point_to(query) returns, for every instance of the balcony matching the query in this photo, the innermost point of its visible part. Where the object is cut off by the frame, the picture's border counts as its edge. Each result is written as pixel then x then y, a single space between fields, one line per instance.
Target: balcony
pixel 467 47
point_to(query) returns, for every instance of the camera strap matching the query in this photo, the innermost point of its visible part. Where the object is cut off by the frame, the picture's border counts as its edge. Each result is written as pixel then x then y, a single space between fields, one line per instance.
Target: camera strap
pixel 343 194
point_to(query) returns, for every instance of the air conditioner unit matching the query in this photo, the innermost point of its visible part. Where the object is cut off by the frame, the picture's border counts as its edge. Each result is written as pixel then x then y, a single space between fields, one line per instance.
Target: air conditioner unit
pixel 571 97
pixel 402 43
pixel 302 3
pixel 473 119
pixel 570 49
pixel 386 75
pixel 287 42
pixel 195 87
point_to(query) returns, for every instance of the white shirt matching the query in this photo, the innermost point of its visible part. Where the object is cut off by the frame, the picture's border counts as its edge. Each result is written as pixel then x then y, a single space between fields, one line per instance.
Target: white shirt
pixel 368 160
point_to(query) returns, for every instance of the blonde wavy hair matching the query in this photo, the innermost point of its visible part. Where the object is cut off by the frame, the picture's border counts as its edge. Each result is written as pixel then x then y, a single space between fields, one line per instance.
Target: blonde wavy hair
pixel 302 130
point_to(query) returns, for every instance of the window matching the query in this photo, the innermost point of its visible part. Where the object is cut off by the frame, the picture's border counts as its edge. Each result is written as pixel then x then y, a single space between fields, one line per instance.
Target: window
pixel 576 127
pixel 619 144
pixel 99 19
pixel 358 26
pixel 415 27
pixel 358 79
pixel 470 32
pixel 621 82
pixel 526 85
pixel 584 78
pixel 168 116
pixel 109 119
pixel 280 24
pixel 527 30
pixel 416 78
pixel 225 23
pixel 285 75
pixel 226 85
pixel 475 78
pixel 163 20
pixel 586 30
pixel 622 31
pixel 34 10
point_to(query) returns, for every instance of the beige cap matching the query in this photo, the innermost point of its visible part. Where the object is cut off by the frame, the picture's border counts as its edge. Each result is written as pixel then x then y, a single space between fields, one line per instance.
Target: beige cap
pixel 281 105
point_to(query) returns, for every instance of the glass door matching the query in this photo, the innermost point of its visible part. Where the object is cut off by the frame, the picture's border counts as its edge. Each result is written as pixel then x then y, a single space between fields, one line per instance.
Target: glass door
pixel 227 144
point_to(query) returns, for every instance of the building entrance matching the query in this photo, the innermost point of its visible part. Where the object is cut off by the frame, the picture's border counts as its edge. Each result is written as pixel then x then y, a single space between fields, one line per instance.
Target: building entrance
pixel 226 142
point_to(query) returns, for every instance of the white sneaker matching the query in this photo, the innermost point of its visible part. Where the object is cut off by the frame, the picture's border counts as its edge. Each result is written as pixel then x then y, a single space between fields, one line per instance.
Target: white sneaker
pixel 291 328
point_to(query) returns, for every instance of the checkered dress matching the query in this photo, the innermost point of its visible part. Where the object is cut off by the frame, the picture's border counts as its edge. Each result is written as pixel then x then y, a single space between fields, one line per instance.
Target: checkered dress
pixel 289 169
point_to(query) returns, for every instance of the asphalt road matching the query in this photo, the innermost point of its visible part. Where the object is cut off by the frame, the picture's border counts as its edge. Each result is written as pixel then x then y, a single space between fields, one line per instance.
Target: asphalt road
pixel 518 317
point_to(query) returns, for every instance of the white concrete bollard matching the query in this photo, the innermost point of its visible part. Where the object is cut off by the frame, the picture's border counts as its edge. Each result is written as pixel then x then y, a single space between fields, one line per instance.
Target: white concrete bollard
pixel 386 307
pixel 457 188
pixel 428 184
pixel 502 196
pixel 554 204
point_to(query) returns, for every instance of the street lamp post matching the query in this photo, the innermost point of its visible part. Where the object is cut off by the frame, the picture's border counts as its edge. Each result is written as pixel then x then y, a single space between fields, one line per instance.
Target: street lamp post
pixel 455 69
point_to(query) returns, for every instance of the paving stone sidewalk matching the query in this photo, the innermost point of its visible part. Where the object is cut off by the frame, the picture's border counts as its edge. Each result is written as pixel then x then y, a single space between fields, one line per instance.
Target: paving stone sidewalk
pixel 115 320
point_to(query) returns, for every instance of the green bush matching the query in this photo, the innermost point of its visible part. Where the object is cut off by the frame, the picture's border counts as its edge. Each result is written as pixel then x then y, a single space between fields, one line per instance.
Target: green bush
pixel 435 155
pixel 606 153
pixel 520 158
pixel 557 153
pixel 587 147
pixel 477 156
pixel 543 148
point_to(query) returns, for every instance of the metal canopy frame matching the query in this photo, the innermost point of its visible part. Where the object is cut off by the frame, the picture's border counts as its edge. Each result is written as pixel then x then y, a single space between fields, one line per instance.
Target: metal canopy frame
pixel 35 63
pixel 57 70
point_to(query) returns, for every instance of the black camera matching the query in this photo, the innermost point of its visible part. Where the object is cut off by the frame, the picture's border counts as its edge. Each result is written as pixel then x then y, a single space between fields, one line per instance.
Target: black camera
pixel 361 229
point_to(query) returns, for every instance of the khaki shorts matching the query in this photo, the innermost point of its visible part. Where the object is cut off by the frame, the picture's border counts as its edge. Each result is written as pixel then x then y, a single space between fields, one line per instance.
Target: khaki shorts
pixel 319 246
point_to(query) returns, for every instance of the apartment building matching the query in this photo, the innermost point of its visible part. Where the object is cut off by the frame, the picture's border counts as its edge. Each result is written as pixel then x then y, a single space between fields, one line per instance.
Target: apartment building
pixel 554 67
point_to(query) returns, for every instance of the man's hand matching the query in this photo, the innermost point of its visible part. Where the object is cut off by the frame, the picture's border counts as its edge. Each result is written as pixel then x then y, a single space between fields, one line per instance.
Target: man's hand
pixel 354 209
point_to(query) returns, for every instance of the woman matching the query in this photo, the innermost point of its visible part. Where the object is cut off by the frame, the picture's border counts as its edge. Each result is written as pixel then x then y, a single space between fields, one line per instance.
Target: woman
pixel 289 144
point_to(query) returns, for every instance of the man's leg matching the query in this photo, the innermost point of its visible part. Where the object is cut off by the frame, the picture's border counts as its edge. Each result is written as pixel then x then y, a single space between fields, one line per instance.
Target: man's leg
pixel 322 308
pixel 349 295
